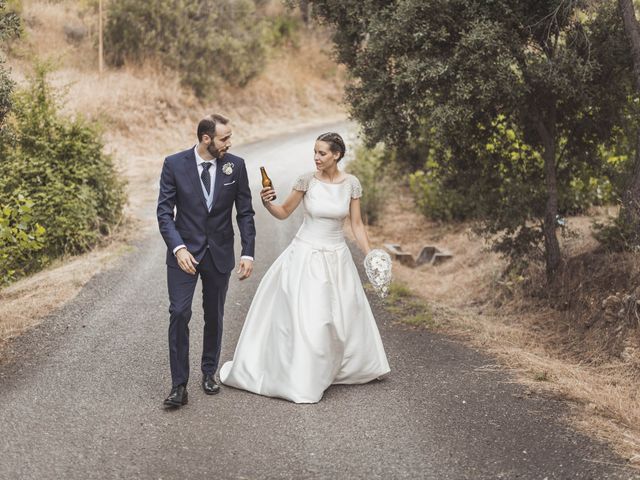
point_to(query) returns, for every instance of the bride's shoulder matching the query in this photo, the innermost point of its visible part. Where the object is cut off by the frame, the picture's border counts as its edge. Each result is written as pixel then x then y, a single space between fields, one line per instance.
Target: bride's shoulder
pixel 302 182
pixel 354 183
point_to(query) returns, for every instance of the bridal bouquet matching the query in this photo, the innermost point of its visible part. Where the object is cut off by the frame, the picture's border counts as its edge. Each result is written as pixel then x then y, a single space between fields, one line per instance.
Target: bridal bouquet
pixel 377 264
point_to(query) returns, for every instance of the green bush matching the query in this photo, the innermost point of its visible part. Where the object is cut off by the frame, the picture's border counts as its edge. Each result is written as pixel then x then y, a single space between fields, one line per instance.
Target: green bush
pixel 203 41
pixel 434 189
pixel 21 238
pixel 283 30
pixel 58 164
pixel 435 201
pixel 369 165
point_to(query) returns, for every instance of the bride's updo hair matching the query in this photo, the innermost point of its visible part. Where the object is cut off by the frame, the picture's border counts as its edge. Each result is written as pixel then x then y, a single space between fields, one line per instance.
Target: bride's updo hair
pixel 335 141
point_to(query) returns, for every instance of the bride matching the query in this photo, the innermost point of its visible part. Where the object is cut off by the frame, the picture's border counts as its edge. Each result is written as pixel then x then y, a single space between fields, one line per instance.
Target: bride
pixel 310 324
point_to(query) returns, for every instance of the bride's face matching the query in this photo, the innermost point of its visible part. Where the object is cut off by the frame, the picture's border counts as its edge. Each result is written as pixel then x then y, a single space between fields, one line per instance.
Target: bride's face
pixel 323 156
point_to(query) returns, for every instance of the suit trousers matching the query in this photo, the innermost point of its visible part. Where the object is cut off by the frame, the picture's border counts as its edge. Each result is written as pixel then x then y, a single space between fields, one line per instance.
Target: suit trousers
pixel 182 286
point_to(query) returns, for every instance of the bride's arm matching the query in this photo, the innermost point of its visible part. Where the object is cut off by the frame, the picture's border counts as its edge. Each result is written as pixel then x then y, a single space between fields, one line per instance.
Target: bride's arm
pixel 286 208
pixel 357 226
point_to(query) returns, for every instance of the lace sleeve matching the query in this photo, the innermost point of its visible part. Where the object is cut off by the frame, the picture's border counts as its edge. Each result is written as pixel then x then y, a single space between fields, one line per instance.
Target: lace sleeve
pixel 356 188
pixel 302 183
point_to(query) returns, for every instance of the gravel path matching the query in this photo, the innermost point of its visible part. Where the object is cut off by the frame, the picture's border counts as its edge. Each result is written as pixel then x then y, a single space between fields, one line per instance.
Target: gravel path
pixel 82 393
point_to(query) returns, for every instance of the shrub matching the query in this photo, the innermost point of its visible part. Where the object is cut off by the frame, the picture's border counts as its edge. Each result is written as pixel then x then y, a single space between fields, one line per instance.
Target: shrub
pixel 203 41
pixel 369 166
pixel 21 238
pixel 57 165
pixel 284 30
pixel 434 200
pixel 434 188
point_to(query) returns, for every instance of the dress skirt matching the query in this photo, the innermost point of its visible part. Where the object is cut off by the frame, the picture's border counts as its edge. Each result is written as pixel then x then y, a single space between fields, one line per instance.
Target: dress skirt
pixel 309 326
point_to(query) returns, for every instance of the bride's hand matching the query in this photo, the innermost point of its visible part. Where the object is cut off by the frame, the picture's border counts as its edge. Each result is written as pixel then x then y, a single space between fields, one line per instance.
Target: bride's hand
pixel 267 194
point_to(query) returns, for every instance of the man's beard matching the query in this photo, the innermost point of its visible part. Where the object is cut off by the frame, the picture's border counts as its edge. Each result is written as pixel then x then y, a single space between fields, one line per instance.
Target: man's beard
pixel 214 152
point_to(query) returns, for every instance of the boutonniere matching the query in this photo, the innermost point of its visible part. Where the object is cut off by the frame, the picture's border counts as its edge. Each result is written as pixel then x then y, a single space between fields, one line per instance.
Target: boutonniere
pixel 227 168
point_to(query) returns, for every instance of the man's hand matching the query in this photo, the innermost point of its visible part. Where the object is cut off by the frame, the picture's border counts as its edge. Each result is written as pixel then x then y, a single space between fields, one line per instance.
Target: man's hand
pixel 186 261
pixel 244 268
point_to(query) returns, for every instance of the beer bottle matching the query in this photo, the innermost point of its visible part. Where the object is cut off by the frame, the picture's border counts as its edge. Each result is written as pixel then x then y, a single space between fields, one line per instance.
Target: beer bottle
pixel 266 181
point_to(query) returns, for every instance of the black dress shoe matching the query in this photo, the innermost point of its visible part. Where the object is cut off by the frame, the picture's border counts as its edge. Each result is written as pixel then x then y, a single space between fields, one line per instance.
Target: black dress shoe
pixel 209 385
pixel 177 397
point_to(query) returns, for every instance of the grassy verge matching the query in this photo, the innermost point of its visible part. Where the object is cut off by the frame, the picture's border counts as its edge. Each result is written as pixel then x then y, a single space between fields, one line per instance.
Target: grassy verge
pixel 409 308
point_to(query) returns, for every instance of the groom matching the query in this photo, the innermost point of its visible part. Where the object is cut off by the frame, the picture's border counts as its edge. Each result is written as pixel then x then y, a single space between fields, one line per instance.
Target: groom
pixel 203 183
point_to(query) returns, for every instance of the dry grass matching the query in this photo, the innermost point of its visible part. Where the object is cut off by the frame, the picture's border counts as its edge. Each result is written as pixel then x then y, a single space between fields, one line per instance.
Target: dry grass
pixel 444 283
pixel 146 115
pixel 45 38
pixel 547 347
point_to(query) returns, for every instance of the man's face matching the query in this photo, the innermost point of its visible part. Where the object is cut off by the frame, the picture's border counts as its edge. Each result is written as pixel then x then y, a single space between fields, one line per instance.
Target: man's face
pixel 220 143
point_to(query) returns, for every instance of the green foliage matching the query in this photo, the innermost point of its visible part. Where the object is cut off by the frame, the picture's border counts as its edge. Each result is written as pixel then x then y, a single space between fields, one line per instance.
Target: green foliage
pixel 21 239
pixel 410 309
pixel 502 190
pixel 6 87
pixel 542 376
pixel 369 166
pixel 435 201
pixel 58 166
pixel 203 41
pixel 10 22
pixel 511 200
pixel 398 291
pixel 283 30
pixel 9 27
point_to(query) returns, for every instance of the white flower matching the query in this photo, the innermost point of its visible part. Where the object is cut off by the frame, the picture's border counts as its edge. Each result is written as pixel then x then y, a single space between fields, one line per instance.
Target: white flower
pixel 227 168
pixel 377 263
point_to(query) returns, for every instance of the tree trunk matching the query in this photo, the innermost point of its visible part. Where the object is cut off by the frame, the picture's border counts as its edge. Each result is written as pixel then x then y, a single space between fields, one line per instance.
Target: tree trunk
pixel 630 211
pixel 551 244
pixel 632 29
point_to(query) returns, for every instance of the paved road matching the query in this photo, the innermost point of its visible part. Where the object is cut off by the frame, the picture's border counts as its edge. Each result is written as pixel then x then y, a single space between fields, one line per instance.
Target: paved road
pixel 81 397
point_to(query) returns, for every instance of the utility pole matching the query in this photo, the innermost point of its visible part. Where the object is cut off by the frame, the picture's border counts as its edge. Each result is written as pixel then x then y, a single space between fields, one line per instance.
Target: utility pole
pixel 100 41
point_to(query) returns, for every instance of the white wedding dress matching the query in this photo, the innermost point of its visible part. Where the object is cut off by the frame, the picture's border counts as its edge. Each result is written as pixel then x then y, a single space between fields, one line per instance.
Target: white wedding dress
pixel 310 324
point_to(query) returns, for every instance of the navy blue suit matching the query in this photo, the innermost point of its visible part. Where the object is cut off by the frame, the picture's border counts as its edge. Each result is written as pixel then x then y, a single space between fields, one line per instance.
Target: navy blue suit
pixel 208 236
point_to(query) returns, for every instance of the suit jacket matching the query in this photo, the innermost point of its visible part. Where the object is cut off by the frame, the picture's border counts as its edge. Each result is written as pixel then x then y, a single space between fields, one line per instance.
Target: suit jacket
pixel 195 226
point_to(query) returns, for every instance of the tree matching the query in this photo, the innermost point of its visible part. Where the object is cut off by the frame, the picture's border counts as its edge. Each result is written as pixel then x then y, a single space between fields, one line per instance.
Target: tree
pixel 630 211
pixel 450 71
